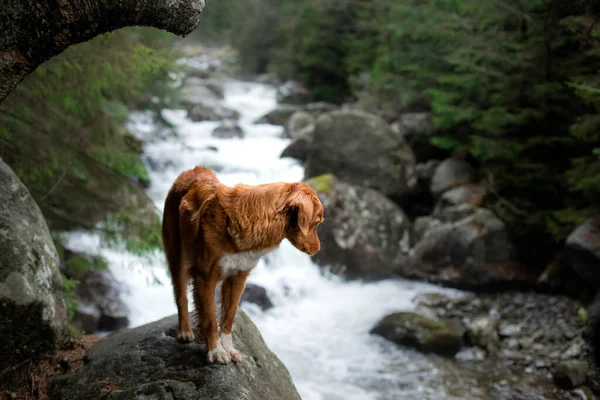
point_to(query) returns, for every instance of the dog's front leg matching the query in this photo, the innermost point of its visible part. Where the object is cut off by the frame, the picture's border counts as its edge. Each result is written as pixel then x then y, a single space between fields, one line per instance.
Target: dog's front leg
pixel 231 293
pixel 204 299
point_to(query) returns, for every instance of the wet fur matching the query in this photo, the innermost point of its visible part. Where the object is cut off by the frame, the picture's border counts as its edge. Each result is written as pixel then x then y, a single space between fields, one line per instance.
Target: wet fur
pixel 209 227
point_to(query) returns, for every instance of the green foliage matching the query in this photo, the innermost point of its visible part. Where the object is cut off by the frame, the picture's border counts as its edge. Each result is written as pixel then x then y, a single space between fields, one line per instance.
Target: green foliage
pixel 62 131
pixel 69 286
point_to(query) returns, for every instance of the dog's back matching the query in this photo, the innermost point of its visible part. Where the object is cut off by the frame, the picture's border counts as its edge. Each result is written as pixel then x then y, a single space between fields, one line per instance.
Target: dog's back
pixel 170 226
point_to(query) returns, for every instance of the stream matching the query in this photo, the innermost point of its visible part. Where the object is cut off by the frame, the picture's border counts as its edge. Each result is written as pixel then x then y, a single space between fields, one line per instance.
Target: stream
pixel 319 325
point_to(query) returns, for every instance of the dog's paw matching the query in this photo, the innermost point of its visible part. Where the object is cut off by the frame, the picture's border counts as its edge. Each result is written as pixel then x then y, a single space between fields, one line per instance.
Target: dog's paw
pixel 235 355
pixel 185 336
pixel 227 343
pixel 218 355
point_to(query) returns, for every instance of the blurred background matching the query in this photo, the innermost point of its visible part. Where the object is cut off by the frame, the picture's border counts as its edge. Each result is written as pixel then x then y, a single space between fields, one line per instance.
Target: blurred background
pixel 454 144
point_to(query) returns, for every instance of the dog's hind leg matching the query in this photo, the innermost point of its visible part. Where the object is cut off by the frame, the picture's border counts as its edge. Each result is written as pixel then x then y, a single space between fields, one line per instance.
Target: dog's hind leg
pixel 231 293
pixel 180 286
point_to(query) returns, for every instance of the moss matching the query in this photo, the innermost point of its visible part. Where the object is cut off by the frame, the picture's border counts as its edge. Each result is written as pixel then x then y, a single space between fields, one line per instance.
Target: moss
pixel 77 267
pixel 321 183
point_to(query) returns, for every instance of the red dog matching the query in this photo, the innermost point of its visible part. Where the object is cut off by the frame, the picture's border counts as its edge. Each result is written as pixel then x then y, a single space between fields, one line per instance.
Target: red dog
pixel 212 233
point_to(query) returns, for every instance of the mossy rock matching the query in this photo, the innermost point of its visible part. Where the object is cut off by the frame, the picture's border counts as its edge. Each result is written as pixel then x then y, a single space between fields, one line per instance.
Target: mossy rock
pixel 424 334
pixel 321 183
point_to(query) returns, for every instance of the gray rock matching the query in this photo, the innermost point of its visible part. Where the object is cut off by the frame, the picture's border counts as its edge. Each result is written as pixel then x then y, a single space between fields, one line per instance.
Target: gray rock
pixel 570 374
pixel 293 92
pixel 423 225
pixel 450 173
pixel 102 307
pixel 360 149
pixel 257 295
pixel 228 129
pixel 475 253
pixel 32 307
pixel 301 145
pixel 203 104
pixel 583 251
pixel 423 334
pixel 464 194
pixel 417 129
pixel 365 235
pixel 297 122
pixel 279 116
pixel 318 108
pixel 149 363
pixel 454 213
pixel 215 86
pixel 509 330
pixel 483 332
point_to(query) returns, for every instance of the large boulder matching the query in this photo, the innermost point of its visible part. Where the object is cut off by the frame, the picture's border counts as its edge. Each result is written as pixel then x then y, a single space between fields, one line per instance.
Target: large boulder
pixel 293 92
pixel 149 363
pixel 297 122
pixel 32 307
pixel 301 144
pixel 451 173
pixel 214 85
pixel 424 334
pixel 475 252
pixel 583 250
pixel 365 235
pixel 359 148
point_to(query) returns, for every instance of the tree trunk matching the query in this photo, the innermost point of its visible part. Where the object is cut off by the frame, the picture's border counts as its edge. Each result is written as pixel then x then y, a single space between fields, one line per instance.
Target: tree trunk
pixel 32 31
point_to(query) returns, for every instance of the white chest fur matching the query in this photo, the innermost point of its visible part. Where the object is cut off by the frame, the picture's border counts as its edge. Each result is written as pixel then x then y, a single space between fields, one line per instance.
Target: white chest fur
pixel 234 263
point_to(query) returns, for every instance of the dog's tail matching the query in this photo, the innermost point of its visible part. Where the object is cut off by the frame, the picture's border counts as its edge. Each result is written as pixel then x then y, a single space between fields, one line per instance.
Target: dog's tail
pixel 170 230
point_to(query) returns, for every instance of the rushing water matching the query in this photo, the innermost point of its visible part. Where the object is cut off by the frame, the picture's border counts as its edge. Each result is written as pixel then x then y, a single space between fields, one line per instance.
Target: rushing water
pixel 320 324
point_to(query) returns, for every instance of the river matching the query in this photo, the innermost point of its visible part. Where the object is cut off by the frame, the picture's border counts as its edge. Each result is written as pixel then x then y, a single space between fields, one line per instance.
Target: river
pixel 319 325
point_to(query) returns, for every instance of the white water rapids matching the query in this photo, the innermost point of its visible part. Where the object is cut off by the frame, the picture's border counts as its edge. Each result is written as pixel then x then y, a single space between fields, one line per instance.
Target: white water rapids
pixel 320 324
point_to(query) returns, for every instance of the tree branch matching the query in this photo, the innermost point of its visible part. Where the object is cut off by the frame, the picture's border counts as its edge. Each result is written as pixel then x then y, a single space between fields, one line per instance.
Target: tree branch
pixel 33 32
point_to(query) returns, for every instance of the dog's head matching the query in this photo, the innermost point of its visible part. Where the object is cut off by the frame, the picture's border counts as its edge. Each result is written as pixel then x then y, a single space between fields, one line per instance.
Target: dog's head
pixel 305 214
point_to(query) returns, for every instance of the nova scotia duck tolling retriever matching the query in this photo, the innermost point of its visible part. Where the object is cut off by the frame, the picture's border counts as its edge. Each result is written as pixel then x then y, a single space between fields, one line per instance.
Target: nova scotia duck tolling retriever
pixel 212 233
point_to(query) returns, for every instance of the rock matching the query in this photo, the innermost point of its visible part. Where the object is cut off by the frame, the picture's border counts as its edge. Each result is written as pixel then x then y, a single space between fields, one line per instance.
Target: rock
pixel 298 150
pixel 423 225
pixel 360 149
pixel 279 116
pixel 483 332
pixel 417 129
pixel 509 330
pixel 570 374
pixel 454 213
pixel 469 194
pixel 215 86
pixel 268 79
pixel 297 122
pixel 227 130
pixel 32 307
pixel 293 92
pixel 423 334
pixel 366 235
pixel 318 108
pixel 301 145
pixel 451 172
pixel 257 295
pixel 474 253
pixel 583 251
pixel 149 363
pixel 203 104
pixel 101 306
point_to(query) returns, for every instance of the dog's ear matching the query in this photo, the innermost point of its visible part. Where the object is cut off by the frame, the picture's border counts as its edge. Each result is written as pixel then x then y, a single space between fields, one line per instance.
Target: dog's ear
pixel 302 202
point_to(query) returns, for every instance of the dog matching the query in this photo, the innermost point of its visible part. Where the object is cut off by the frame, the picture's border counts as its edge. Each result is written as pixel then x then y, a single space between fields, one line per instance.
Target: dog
pixel 212 233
